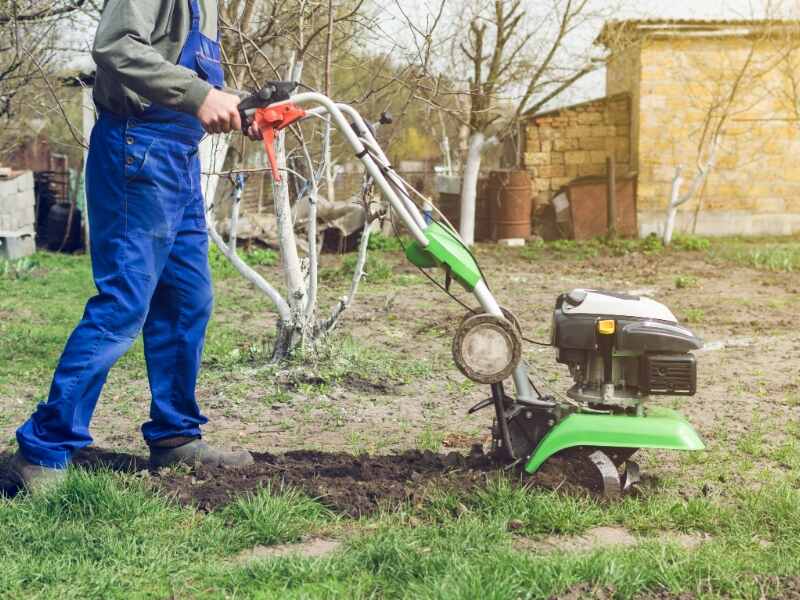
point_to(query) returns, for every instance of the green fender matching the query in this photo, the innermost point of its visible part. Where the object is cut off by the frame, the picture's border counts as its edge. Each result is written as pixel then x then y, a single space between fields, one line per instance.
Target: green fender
pixel 659 428
pixel 444 249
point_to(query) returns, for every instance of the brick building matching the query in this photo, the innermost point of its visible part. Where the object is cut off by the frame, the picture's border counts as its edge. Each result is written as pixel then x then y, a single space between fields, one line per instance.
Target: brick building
pixel 667 83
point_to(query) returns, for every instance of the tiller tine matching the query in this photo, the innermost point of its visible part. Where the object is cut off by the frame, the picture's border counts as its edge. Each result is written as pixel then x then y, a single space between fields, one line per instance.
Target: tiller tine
pixel 609 476
pixel 631 476
pixel 613 484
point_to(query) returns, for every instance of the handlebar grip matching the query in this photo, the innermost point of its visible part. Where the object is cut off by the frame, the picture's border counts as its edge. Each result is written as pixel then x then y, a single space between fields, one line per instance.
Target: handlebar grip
pixel 272 93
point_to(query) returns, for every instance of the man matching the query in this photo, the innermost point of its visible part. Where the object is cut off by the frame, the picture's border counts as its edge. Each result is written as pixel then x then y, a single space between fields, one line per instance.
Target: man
pixel 158 90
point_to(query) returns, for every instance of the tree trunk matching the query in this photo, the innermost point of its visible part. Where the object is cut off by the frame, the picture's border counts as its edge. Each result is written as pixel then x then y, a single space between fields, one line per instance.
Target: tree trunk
pixel 672 207
pixel 669 226
pixel 284 341
pixel 213 150
pixel 469 187
pixel 331 191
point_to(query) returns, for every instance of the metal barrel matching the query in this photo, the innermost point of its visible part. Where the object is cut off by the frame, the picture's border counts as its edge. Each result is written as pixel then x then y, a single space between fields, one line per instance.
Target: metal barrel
pixel 510 201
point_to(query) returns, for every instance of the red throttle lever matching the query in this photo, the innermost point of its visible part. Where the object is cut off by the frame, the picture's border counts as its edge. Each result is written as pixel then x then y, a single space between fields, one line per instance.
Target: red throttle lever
pixel 271 119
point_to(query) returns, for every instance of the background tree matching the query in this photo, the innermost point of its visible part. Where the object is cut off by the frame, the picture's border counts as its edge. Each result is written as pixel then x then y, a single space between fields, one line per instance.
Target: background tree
pixel 509 58
pixel 286 41
pixel 34 49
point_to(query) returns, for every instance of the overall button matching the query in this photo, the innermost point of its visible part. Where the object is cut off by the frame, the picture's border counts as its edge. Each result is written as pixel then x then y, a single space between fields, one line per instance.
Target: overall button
pixel 129 140
pixel 129 160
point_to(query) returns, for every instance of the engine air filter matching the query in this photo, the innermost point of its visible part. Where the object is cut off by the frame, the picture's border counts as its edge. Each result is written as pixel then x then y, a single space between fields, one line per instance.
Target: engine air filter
pixel 669 374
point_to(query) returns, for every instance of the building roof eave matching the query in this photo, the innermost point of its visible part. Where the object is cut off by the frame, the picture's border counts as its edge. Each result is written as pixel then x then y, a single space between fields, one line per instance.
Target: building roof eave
pixel 634 29
pixel 554 111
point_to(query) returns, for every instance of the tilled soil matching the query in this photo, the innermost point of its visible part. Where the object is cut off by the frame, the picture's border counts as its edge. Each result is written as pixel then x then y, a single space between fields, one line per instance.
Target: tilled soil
pixel 360 485
pixel 347 484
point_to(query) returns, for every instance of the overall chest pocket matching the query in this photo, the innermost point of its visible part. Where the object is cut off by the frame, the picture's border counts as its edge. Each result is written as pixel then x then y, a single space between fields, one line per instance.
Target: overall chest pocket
pixel 210 70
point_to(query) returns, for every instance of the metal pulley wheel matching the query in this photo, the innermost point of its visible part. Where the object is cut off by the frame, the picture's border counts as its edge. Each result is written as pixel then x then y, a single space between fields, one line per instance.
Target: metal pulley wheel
pixel 487 349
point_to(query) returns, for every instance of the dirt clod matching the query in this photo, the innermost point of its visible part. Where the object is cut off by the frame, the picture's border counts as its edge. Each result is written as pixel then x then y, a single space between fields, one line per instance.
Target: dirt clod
pixel 515 524
pixel 586 591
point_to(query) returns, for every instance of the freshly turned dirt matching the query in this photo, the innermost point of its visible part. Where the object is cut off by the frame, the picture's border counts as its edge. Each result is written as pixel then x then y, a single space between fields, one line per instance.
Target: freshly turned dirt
pixel 347 484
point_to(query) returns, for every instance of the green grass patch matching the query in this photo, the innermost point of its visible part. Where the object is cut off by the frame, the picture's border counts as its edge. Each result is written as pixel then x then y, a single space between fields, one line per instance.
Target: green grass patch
pixel 772 254
pixel 685 281
pixel 221 267
pixel 269 518
pixel 376 269
pixel 108 536
pixel 585 249
pixel 387 243
pixel 343 360
pixel 694 315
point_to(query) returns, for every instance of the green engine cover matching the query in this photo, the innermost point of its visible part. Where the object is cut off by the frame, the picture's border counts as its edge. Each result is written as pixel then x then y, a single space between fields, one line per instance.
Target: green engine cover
pixel 659 428
pixel 444 249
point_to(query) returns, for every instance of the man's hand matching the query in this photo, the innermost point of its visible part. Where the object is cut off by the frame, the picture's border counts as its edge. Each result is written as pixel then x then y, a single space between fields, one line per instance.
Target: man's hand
pixel 219 112
pixel 254 131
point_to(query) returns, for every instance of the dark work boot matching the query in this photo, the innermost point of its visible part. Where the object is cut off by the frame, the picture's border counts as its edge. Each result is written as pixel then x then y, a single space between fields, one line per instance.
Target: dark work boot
pixel 193 452
pixel 34 478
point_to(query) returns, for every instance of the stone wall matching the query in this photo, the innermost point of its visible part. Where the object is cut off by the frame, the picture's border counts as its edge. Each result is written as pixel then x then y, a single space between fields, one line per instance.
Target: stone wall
pixel 673 80
pixel 575 141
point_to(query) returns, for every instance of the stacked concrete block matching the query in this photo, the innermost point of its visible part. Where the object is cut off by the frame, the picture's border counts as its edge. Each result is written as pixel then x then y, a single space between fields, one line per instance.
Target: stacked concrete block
pixel 17 210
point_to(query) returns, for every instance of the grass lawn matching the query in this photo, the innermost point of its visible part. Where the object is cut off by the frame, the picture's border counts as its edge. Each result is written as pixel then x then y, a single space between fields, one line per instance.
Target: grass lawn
pixel 724 523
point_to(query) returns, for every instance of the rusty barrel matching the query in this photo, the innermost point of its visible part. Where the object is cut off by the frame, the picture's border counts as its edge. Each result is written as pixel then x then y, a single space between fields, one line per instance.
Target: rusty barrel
pixel 510 199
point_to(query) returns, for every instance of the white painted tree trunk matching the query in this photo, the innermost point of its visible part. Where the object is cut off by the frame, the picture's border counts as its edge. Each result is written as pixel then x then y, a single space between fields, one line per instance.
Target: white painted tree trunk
pixel 676 199
pixel 478 143
pixel 469 187
pixel 213 150
pixel 212 157
pixel 290 259
pixel 672 207
pixel 329 174
pixel 297 321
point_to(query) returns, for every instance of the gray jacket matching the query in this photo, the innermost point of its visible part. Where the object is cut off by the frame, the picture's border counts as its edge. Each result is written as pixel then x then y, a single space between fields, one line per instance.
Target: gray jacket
pixel 137 46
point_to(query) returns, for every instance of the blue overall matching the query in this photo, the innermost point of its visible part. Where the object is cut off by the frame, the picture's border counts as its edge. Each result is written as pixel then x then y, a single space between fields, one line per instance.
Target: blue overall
pixel 149 249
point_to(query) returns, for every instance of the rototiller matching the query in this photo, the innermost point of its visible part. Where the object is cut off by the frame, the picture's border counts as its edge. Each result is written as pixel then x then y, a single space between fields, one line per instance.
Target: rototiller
pixel 619 348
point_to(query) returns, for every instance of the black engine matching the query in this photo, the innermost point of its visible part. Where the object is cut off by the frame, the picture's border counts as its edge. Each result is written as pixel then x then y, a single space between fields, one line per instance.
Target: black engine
pixel 621 348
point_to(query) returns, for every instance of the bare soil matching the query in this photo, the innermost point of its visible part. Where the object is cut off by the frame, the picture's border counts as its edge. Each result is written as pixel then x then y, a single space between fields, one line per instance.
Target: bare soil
pixel 599 538
pixel 355 485
pixel 313 548
pixel 346 484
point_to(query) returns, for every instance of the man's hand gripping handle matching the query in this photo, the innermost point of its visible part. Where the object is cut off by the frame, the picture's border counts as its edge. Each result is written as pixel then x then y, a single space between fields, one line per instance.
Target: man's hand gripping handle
pixel 258 108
